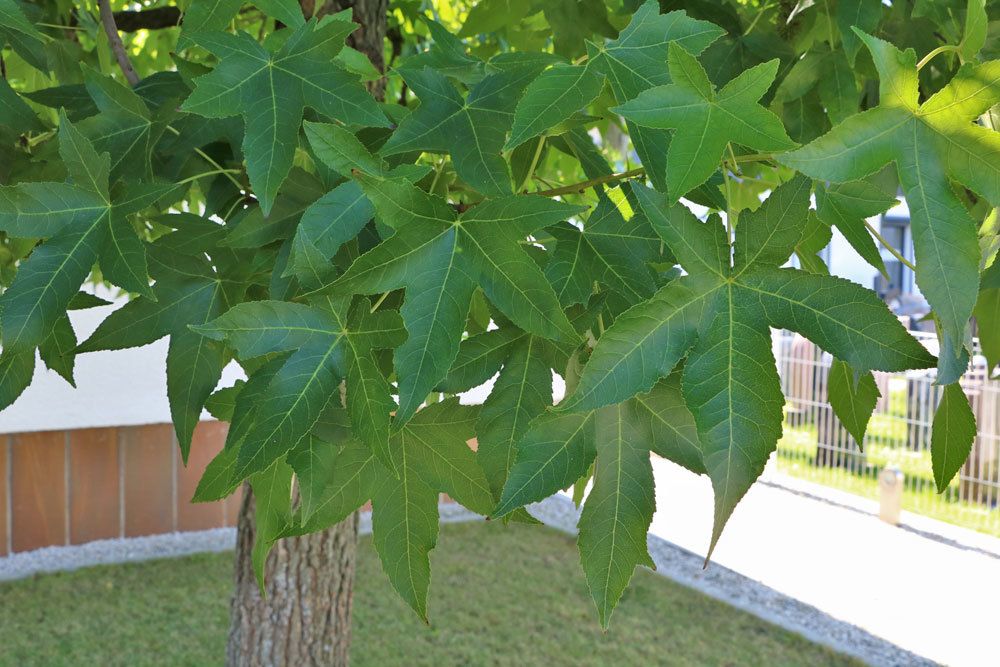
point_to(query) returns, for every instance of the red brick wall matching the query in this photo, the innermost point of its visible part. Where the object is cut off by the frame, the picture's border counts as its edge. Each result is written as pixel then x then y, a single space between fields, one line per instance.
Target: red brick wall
pixel 70 487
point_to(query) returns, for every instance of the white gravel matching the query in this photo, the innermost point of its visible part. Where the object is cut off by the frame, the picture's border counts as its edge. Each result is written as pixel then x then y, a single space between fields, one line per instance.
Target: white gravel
pixel 673 562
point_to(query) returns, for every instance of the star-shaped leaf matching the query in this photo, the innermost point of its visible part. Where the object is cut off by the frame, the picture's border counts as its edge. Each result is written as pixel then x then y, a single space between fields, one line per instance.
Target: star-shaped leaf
pixel 432 457
pixel 83 221
pixel 440 257
pixel 719 316
pixel 632 63
pixel 931 144
pixel 188 290
pixel 707 120
pixel 270 89
pixel 123 128
pixel 559 448
pixel 609 250
pixel 328 344
pixel 472 130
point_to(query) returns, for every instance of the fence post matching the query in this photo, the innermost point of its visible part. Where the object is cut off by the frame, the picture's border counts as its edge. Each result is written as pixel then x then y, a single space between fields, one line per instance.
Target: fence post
pixel 890 494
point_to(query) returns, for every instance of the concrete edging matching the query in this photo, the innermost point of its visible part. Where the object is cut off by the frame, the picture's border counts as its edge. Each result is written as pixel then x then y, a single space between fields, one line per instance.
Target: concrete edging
pixel 559 512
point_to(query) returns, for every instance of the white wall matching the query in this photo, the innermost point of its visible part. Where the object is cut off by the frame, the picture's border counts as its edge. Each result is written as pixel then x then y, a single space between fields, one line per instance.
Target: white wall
pixel 119 388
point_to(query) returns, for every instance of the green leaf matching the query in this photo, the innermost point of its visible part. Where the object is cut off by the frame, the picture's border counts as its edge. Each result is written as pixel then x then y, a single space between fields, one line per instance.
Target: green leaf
pixel 556 451
pixel 212 15
pixel 634 62
pixel 706 120
pixel 723 315
pixel 472 130
pixel 272 490
pixel 840 316
pixel 325 350
pixel 271 90
pixel 846 206
pixel 15 114
pixel 987 314
pixel 930 144
pixel 341 150
pixel 522 392
pixel 16 370
pixel 554 96
pixel 479 358
pixel 816 237
pixel 432 457
pixel 85 223
pixel 863 14
pixel 952 435
pixel 644 344
pixel 123 126
pixel 669 425
pixel 439 260
pixel 976 29
pixel 768 236
pixel 609 250
pixel 732 389
pixel 335 479
pixel 22 35
pixel 618 511
pixel 853 397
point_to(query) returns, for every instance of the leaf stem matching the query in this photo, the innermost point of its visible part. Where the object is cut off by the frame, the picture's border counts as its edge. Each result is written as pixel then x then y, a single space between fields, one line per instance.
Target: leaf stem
pixel 577 188
pixel 208 158
pixel 380 300
pixel 944 48
pixel 207 173
pixel 895 253
pixel 729 197
pixel 534 163
pixel 437 175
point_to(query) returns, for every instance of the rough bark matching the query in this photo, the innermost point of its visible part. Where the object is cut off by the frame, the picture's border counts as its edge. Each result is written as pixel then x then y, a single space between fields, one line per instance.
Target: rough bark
pixel 369 38
pixel 305 616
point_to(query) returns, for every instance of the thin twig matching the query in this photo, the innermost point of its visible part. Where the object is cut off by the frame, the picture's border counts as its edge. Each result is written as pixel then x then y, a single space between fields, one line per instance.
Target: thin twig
pixel 121 55
pixel 577 188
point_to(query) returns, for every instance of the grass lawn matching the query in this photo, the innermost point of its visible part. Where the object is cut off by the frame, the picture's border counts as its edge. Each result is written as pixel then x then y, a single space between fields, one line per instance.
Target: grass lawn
pixel 500 596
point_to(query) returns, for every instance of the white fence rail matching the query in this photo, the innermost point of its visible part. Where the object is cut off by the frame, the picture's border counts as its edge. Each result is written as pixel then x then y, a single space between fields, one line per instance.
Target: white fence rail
pixel 816 446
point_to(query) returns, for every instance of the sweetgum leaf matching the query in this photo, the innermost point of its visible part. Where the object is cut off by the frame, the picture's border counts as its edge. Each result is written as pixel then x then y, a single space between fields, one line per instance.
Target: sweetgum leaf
pixel 271 89
pixel 930 144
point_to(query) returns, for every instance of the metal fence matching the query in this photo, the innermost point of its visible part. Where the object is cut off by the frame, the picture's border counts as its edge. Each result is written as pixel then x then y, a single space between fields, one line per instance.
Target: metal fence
pixel 816 446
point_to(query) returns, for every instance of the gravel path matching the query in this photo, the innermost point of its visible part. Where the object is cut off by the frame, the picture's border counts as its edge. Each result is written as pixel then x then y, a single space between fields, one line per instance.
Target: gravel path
pixel 673 562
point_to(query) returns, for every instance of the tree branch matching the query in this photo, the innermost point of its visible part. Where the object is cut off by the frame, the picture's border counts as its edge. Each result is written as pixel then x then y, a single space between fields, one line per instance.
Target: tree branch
pixel 148 19
pixel 111 29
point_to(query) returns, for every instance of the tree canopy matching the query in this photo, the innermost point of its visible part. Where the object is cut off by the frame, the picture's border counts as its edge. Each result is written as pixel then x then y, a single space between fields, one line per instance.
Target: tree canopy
pixel 627 194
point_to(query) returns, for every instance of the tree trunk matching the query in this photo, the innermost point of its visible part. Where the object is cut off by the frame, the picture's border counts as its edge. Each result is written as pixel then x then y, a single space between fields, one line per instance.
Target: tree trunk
pixel 305 618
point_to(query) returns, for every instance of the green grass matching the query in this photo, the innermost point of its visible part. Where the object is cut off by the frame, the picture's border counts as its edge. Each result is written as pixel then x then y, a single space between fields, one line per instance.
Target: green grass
pixel 500 596
pixel 885 444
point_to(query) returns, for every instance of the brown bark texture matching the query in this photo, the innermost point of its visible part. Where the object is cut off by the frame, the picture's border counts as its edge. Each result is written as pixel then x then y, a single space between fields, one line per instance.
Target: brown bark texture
pixel 304 616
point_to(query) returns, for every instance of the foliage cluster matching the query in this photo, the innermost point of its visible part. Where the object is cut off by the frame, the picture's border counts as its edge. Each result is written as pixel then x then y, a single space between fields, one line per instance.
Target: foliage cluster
pixel 525 203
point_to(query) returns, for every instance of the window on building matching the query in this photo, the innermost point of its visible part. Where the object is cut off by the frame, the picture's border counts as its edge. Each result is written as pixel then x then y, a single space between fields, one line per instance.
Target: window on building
pixel 896 231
